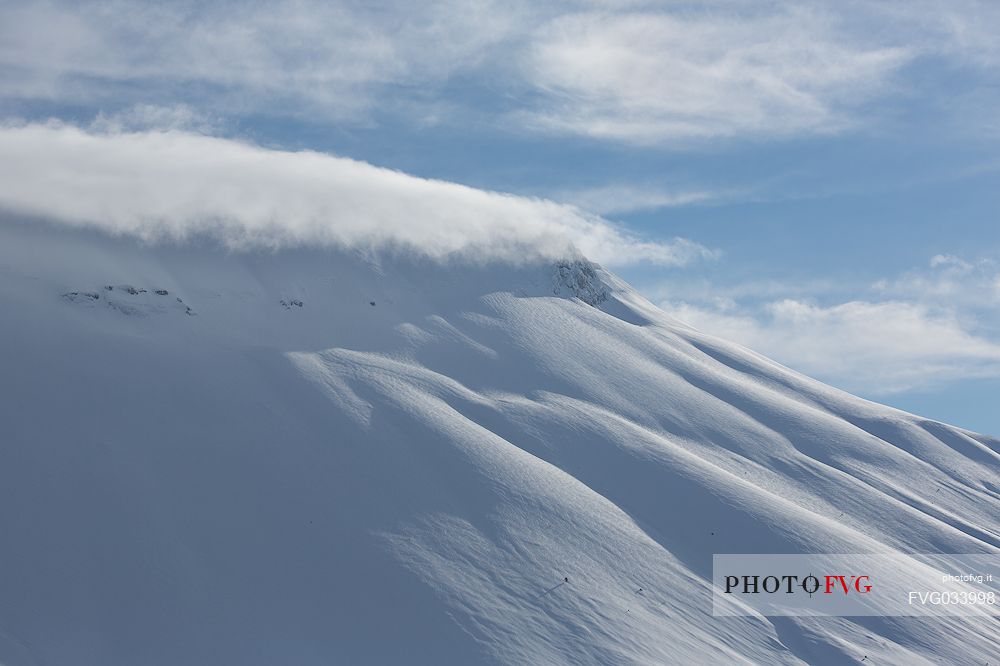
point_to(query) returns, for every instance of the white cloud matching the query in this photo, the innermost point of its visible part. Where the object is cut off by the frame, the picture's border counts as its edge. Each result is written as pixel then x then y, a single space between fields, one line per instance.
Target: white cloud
pixel 639 72
pixel 154 117
pixel 962 29
pixel 306 56
pixel 654 76
pixel 939 260
pixel 935 323
pixel 628 198
pixel 874 347
pixel 176 185
pixel 949 281
pixel 745 291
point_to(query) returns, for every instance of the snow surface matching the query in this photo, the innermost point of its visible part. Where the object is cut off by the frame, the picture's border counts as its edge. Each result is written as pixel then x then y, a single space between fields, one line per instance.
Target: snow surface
pixel 311 457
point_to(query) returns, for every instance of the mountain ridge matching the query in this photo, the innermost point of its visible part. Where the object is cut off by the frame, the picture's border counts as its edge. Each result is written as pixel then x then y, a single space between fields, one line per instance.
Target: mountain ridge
pixel 408 465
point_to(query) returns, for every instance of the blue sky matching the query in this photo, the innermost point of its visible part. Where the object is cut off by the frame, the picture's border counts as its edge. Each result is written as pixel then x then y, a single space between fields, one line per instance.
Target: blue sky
pixel 838 162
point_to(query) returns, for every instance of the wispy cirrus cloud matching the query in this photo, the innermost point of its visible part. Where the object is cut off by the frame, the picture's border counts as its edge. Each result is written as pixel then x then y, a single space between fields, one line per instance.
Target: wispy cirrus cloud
pixel 642 73
pixel 142 117
pixel 176 184
pixel 650 76
pixel 333 59
pixel 624 198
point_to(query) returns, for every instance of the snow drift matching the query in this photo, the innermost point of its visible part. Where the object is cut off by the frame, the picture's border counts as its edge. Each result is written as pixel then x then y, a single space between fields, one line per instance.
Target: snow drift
pixel 323 456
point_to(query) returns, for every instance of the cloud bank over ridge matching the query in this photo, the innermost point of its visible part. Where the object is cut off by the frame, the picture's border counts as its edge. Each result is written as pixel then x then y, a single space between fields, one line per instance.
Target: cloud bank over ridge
pixel 175 185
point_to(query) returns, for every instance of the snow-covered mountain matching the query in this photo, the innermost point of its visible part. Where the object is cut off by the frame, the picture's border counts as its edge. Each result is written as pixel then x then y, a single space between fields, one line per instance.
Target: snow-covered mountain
pixel 315 457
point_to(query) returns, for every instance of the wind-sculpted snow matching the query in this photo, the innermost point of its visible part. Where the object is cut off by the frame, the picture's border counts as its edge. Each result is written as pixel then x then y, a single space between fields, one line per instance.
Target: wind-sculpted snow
pixel 430 463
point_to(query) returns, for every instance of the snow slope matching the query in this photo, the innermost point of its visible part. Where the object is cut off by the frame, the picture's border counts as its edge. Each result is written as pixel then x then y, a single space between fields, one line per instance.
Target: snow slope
pixel 260 466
